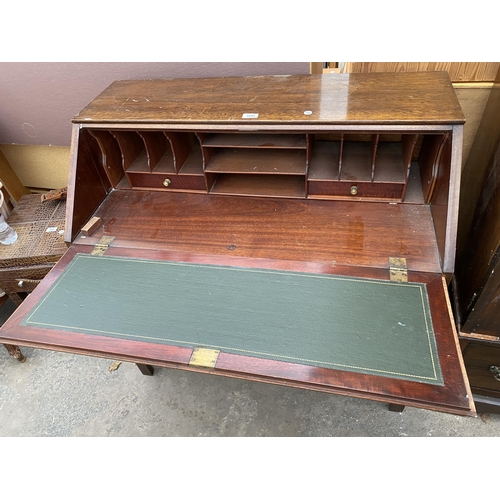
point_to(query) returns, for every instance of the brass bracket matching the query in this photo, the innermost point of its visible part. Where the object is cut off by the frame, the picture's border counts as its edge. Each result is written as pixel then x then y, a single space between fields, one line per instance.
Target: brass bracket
pixel 205 358
pixel 102 245
pixel 398 271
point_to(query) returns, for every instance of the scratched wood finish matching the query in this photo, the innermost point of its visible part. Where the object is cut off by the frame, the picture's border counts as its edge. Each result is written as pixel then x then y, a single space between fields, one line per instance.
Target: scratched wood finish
pixel 349 233
pixel 381 98
pixel 452 397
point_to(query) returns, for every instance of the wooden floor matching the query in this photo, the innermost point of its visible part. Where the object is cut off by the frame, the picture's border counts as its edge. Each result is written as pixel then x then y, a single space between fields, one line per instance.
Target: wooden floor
pixel 354 234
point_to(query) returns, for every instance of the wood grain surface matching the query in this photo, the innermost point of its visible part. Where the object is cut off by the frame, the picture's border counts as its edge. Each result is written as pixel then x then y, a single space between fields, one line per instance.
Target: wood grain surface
pixel 348 233
pixel 382 98
pixel 453 397
pixel 458 71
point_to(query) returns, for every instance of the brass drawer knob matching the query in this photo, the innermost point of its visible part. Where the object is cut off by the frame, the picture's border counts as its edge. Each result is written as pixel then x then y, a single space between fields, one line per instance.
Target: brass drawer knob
pixel 20 283
pixel 496 372
pixel 354 190
pixel 167 182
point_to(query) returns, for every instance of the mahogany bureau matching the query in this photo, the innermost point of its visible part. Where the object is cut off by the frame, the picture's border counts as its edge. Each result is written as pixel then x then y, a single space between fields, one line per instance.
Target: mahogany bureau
pixel 297 230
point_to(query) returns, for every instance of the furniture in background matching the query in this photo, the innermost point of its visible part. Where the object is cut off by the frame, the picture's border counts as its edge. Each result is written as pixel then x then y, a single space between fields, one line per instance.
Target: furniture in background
pixel 11 190
pixel 40 244
pixel 458 71
pixel 296 230
pixel 12 187
pixel 476 285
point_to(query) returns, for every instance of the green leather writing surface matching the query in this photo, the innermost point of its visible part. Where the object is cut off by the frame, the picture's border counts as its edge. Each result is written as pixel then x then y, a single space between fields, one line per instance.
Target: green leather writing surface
pixel 354 324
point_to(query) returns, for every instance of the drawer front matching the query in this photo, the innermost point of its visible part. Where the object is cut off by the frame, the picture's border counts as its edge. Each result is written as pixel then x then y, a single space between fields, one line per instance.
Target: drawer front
pixel 356 189
pixel 22 279
pixel 480 362
pixel 168 181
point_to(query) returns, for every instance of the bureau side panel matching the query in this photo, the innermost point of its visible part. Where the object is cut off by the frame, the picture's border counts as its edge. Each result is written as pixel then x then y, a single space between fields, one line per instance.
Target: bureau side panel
pixel 87 185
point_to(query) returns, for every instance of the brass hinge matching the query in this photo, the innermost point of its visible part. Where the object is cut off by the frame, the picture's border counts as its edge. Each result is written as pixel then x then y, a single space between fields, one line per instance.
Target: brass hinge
pixel 102 245
pixel 206 358
pixel 398 271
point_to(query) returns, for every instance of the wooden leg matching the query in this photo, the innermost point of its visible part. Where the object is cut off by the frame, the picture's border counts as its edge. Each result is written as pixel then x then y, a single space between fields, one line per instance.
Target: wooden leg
pixel 396 408
pixel 145 369
pixel 15 352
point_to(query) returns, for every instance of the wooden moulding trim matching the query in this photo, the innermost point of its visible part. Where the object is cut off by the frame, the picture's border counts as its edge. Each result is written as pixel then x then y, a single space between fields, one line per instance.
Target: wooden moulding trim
pixel 445 398
pixel 236 366
pixel 479 336
pixel 453 199
pixel 179 357
pixel 320 127
pixel 457 343
pixel 473 85
pixel 277 374
pixel 75 134
pixel 435 166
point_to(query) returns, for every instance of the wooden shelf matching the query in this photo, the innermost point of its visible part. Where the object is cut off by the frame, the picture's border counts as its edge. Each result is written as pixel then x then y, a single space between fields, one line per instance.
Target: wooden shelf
pixel 356 162
pixel 325 159
pixel 257 161
pixel 376 165
pixel 389 165
pixel 261 141
pixel 141 165
pixel 193 164
pixel 373 167
pixel 276 186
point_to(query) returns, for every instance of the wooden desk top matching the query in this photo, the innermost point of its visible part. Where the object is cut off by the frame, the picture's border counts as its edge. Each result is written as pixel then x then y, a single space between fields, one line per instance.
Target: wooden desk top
pixel 338 233
pixel 380 98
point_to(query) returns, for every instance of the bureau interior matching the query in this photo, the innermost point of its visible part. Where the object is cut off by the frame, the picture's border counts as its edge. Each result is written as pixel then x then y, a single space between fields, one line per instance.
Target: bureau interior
pixel 374 166
pixel 383 168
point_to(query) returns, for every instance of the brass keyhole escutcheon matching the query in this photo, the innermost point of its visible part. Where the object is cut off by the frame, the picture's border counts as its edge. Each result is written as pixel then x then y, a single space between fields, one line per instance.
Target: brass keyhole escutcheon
pixel 167 182
pixel 354 190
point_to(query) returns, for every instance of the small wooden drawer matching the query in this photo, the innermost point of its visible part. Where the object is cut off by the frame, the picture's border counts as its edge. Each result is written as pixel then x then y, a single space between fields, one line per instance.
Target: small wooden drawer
pixel 356 189
pixel 480 362
pixel 22 279
pixel 168 181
